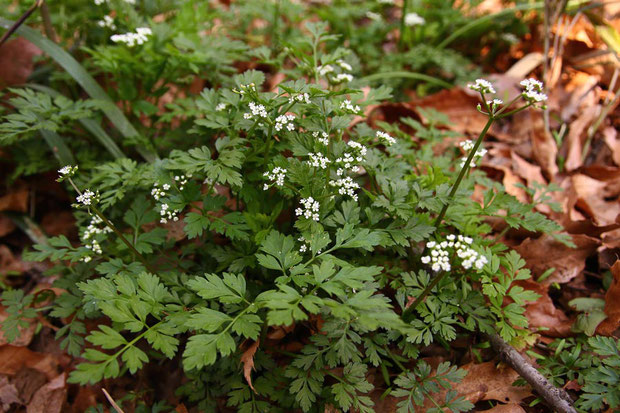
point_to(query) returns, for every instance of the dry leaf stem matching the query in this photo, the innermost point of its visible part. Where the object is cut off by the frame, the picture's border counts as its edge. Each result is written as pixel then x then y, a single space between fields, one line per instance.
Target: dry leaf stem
pixel 557 398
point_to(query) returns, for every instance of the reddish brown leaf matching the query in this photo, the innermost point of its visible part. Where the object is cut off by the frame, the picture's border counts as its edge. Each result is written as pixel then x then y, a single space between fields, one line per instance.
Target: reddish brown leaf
pixel 49 398
pixel 181 408
pixel 544 148
pixel 506 408
pixel 489 381
pixel 577 135
pixel 13 359
pixel 6 225
pixel 8 394
pixel 247 358
pixel 542 313
pixel 16 61
pixel 15 200
pixel 612 304
pixel 543 253
pixel 592 197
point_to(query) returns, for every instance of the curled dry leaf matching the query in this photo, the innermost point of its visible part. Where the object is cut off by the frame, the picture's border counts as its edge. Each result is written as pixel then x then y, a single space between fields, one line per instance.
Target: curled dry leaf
pixel 544 148
pixel 612 304
pixel 247 358
pixel 49 398
pixel 16 61
pixel 489 381
pixel 544 252
pixel 577 136
pixel 592 198
pixel 8 394
pixel 506 408
pixel 15 200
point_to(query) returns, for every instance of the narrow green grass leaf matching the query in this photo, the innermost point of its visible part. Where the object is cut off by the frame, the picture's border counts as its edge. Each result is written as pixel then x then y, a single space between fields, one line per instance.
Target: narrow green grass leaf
pixel 406 75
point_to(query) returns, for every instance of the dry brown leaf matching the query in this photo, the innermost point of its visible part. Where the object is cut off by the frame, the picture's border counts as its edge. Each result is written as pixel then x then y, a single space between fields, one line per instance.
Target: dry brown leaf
pixel 16 61
pixel 6 225
pixel 612 304
pixel 8 261
pixel 610 135
pixel 247 358
pixel 15 200
pixel 506 408
pixel 592 196
pixel 544 252
pixel 13 359
pixel 542 313
pixel 28 381
pixel 544 148
pixel 489 381
pixel 181 408
pixel 49 398
pixel 577 135
pixel 8 394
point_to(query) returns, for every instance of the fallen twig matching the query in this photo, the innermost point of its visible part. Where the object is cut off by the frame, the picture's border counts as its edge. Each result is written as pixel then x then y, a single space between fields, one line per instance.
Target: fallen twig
pixel 20 21
pixel 557 398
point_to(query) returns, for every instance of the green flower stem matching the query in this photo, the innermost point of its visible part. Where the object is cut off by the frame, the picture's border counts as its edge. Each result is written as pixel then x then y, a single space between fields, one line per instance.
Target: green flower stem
pixel 442 214
pixel 402 23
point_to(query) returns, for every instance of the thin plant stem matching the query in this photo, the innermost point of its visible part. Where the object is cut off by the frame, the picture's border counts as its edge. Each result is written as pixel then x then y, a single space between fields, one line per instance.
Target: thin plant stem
pixel 442 214
pixel 20 21
pixel 402 23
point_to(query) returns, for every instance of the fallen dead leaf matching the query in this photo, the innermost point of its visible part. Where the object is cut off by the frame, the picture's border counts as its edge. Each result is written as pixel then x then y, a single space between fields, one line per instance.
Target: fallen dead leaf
pixel 181 408
pixel 9 263
pixel 15 200
pixel 49 398
pixel 247 358
pixel 8 394
pixel 577 135
pixel 28 381
pixel 612 304
pixel 506 408
pixel 543 314
pixel 6 225
pixel 544 252
pixel 16 61
pixel 489 381
pixel 610 135
pixel 592 196
pixel 13 359
pixel 544 148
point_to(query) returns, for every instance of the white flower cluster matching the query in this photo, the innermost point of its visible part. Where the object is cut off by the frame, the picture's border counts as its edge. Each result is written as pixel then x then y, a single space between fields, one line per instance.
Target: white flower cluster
pixel 300 98
pixel 373 16
pixel 131 39
pixel 181 180
pixel 439 256
pixel 158 192
pixel 533 90
pixel 482 86
pixel 344 65
pixel 220 107
pixel 168 214
pixel 348 160
pixel 318 160
pixel 108 22
pixel 276 176
pixel 87 197
pixel 304 246
pixel 244 88
pixel 285 121
pixel 324 70
pixel 66 171
pixel 256 110
pixel 494 104
pixel 324 139
pixel 414 19
pixel 342 77
pixel 346 186
pixel 94 228
pixel 349 107
pixel 386 138
pixel 310 209
pixel 467 146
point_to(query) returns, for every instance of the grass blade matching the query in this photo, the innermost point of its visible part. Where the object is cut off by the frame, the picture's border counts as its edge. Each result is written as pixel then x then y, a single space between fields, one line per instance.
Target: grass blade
pixel 59 148
pixel 84 79
pixel 406 75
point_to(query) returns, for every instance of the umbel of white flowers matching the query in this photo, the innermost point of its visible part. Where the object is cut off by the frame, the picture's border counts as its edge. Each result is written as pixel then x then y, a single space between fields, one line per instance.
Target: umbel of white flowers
pixel 131 39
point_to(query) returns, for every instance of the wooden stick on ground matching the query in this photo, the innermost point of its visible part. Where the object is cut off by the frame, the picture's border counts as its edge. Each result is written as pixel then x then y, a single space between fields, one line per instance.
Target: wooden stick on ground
pixel 558 399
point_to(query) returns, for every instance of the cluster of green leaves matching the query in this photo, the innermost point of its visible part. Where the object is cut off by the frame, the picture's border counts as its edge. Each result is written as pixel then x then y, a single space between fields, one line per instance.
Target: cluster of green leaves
pixel 593 364
pixel 203 255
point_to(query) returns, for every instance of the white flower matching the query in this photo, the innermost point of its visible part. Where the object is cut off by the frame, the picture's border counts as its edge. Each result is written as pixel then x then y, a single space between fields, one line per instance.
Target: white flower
pixel 132 39
pixel 533 90
pixel 276 176
pixel 467 146
pixel 324 70
pixel 67 171
pixel 256 110
pixel 310 209
pixel 285 121
pixel 481 85
pixel 324 139
pixel 303 248
pixel 300 98
pixel 495 103
pixel 168 214
pixel 440 253
pixel 386 138
pixel 158 192
pixel 386 1
pixel 342 77
pixel 318 160
pixel 414 19
pixel 100 2
pixel 348 106
pixel 373 16
pixel 108 22
pixel 344 65
pixel 220 107
pixel 359 147
pixel 86 197
pixel 346 186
